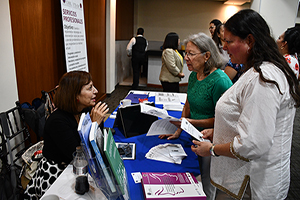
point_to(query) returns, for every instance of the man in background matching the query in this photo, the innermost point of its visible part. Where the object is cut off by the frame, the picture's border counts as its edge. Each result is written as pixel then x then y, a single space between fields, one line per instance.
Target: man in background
pixel 136 49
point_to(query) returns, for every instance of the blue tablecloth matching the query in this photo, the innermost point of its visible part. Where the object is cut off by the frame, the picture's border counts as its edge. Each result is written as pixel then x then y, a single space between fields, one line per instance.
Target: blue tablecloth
pixel 144 144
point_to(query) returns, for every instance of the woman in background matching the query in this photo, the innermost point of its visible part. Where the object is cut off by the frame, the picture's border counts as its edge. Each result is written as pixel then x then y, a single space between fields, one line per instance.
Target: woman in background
pixel 172 64
pixel 75 93
pixel 289 46
pixel 207 82
pixel 219 40
pixel 213 25
pixel 250 144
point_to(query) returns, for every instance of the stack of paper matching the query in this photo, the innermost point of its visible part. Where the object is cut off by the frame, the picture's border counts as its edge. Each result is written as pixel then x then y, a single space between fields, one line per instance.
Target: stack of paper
pixel 173 153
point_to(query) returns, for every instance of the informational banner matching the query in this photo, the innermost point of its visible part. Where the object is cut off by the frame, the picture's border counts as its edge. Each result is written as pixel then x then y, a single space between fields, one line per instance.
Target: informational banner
pixel 74 35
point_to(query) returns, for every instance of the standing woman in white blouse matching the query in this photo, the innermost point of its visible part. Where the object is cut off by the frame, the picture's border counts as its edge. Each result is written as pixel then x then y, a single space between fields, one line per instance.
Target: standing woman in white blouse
pixel 172 64
pixel 251 140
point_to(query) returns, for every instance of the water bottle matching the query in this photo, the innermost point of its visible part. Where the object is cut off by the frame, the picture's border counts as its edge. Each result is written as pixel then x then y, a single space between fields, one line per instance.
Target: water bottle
pixel 80 166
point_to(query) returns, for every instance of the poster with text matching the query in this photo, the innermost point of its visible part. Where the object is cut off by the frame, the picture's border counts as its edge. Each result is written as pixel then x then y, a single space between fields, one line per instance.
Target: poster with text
pixel 74 35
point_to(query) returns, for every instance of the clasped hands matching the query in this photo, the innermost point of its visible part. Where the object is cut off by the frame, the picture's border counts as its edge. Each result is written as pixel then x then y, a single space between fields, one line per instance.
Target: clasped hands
pixel 98 112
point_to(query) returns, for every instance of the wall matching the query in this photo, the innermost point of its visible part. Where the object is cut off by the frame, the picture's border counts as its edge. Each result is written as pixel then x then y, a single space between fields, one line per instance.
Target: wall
pixel 8 83
pixel 183 17
pixel 280 16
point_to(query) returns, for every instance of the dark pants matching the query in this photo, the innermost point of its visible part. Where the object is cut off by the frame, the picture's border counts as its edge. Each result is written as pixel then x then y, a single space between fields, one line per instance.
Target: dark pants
pixel 170 87
pixel 136 67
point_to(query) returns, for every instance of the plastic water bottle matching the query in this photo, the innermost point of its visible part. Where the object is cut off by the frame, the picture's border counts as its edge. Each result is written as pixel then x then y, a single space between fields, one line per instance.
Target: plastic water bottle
pixel 80 166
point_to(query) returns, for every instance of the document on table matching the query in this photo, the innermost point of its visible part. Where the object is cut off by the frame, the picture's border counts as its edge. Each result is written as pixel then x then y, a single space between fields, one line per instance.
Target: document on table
pixel 173 153
pixel 190 129
pixel 161 126
pixel 166 98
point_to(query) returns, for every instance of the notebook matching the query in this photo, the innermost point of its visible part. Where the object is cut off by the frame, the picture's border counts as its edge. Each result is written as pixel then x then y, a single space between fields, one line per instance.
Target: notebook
pixel 131 122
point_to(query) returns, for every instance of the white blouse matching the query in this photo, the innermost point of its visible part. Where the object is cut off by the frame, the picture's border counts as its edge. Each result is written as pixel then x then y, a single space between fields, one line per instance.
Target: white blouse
pixel 258 121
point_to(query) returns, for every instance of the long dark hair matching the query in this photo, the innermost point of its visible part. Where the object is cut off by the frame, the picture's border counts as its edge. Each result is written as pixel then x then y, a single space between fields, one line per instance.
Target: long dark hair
pixel 292 37
pixel 171 41
pixel 216 37
pixel 247 22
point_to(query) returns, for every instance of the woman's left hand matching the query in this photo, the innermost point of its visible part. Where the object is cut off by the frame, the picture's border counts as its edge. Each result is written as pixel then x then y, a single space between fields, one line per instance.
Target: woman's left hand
pixel 201 148
pixel 98 112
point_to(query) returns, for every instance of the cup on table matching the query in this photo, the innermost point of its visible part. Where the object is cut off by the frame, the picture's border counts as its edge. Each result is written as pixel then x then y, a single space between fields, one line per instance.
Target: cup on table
pixel 125 102
pixel 50 197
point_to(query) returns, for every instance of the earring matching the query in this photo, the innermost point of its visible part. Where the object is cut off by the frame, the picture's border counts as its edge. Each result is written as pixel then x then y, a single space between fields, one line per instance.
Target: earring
pixel 282 47
pixel 248 50
pixel 77 100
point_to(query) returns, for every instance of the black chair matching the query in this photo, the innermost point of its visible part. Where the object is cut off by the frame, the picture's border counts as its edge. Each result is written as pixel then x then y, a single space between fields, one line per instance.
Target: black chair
pixel 15 140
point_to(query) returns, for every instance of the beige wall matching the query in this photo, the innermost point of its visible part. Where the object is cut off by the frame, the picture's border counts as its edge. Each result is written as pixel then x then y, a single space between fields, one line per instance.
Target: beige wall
pixel 185 17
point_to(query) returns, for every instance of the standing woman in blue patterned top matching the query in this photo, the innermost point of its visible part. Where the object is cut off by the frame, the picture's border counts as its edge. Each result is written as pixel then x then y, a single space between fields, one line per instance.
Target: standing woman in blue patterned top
pixel 207 82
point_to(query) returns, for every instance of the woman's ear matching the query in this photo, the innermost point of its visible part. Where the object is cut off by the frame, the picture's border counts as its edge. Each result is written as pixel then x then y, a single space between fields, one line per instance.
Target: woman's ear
pixel 250 40
pixel 207 55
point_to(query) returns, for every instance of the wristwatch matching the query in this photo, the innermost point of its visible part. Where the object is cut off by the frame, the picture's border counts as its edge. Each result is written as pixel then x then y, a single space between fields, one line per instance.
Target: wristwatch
pixel 211 150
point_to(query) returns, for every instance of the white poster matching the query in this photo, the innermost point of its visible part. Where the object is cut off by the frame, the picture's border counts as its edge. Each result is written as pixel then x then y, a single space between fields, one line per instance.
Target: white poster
pixel 74 35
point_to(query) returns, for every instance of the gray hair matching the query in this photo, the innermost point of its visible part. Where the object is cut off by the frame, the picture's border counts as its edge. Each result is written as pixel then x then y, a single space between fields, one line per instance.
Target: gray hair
pixel 205 44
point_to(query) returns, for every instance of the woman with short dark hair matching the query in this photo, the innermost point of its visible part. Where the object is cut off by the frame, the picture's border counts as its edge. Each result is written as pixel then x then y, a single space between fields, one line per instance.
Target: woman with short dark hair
pixel 74 95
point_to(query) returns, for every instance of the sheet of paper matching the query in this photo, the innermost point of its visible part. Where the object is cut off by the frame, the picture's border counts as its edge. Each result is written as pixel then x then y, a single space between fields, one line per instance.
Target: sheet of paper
pixel 162 126
pixel 137 177
pixel 166 98
pixel 190 129
pixel 157 112
pixel 175 107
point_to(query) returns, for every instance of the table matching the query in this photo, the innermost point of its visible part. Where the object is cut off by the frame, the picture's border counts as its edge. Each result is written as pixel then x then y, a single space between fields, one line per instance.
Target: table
pixel 63 185
pixel 145 143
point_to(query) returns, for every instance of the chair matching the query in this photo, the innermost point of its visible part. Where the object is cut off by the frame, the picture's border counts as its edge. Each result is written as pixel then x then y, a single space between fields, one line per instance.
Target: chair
pixel 15 140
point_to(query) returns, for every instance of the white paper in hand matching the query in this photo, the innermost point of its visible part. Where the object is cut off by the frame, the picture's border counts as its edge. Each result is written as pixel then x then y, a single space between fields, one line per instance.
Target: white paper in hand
pixel 190 129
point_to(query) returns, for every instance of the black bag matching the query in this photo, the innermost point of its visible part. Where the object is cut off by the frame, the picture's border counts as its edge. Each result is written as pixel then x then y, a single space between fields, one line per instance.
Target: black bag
pixel 10 184
pixel 35 116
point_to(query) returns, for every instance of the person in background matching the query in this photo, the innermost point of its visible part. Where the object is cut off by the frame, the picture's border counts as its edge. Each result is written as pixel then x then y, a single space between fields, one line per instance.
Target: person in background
pixel 250 144
pixel 75 94
pixel 172 64
pixel 289 46
pixel 218 37
pixel 207 82
pixel 212 26
pixel 234 71
pixel 136 49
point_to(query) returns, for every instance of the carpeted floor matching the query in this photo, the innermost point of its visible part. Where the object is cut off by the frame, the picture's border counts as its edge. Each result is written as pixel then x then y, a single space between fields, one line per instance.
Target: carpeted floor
pixel 120 92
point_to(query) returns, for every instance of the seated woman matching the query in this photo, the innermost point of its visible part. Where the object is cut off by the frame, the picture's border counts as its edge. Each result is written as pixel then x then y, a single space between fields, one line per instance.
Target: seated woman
pixel 75 93
pixel 289 46
pixel 207 82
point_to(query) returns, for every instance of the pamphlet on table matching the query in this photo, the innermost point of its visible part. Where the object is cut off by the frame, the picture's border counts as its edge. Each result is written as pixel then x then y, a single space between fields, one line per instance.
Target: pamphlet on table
pixel 167 186
pixel 161 126
pixel 172 153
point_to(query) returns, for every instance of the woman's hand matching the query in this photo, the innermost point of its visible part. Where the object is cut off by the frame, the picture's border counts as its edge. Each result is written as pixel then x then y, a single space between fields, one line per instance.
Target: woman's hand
pixel 201 148
pixel 208 134
pixel 181 75
pixel 98 112
pixel 171 136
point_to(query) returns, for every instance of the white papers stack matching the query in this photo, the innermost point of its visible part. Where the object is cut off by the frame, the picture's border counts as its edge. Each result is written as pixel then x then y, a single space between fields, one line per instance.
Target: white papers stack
pixel 172 153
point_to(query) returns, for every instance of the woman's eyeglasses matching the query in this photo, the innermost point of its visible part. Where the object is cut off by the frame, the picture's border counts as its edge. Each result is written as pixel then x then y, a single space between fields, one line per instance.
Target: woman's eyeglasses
pixel 190 55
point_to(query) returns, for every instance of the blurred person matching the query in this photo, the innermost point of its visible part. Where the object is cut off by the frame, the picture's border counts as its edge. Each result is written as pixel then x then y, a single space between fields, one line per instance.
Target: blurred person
pixel 136 49
pixel 207 82
pixel 172 64
pixel 251 139
pixel 212 26
pixel 75 94
pixel 289 46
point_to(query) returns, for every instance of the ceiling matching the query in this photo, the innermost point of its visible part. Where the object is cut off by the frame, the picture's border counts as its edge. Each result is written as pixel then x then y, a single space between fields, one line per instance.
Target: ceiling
pixel 234 2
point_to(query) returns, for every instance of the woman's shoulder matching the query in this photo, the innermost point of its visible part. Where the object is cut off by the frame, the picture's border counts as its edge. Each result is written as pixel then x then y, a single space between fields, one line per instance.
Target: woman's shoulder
pixel 60 115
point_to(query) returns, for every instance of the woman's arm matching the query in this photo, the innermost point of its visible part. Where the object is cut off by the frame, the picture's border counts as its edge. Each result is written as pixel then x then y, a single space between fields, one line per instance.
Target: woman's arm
pixel 231 73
